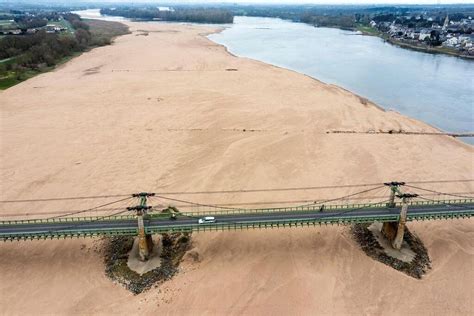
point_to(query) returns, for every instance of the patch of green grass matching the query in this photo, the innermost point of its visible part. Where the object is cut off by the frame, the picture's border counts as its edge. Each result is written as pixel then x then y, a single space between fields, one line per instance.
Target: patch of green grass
pixel 15 77
pixel 368 30
pixel 63 23
pixel 7 82
pixel 12 78
pixel 7 25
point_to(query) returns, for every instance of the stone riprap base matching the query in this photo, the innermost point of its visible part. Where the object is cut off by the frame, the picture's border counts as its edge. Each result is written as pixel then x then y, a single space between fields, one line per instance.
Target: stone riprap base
pixel 412 259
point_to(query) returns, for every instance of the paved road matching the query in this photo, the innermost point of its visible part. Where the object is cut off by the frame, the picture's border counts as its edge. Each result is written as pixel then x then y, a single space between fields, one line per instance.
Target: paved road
pixel 156 223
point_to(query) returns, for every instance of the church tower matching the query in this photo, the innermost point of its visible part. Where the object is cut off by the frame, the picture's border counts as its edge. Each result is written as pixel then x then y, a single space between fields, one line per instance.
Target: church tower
pixel 446 23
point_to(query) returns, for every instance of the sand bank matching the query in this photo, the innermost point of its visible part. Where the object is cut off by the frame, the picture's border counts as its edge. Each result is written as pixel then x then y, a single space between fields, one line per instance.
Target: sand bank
pixel 163 113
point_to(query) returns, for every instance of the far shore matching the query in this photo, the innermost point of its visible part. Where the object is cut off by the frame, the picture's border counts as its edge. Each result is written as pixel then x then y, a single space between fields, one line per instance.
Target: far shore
pixel 425 49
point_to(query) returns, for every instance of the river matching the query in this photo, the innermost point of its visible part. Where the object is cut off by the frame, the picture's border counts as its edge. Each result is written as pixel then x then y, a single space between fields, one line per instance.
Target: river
pixel 436 89
pixel 94 14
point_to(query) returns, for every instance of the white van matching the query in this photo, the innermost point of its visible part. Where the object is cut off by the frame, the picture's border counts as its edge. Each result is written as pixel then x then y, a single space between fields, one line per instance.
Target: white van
pixel 207 219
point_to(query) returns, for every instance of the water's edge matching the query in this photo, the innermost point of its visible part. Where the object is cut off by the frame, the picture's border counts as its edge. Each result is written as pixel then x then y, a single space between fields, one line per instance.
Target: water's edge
pixel 219 30
pixel 443 104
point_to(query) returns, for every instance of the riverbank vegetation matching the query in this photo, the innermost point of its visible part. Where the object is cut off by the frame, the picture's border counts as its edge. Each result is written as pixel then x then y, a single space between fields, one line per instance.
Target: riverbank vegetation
pixel 195 15
pixel 25 55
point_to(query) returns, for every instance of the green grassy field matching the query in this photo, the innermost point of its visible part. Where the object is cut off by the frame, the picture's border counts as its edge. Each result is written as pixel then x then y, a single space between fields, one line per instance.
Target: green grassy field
pixel 6 25
pixel 63 23
pixel 12 78
pixel 367 30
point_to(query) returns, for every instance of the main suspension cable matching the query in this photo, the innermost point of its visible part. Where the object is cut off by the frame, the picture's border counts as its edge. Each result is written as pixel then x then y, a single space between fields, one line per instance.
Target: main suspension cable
pixel 91 209
pixel 439 193
pixel 342 197
pixel 228 191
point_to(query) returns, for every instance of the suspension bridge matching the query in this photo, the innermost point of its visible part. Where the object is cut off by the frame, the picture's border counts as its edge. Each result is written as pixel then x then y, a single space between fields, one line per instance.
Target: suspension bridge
pixel 142 217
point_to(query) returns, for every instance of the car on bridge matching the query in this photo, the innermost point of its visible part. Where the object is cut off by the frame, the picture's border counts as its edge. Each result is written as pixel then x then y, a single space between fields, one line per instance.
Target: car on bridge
pixel 207 220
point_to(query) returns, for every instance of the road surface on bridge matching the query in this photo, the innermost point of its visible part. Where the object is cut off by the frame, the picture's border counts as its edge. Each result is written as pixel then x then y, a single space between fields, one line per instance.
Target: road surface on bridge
pixel 184 222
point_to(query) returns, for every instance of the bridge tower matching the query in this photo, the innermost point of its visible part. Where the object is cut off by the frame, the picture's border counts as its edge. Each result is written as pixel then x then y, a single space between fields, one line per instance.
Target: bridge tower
pixel 145 242
pixel 394 189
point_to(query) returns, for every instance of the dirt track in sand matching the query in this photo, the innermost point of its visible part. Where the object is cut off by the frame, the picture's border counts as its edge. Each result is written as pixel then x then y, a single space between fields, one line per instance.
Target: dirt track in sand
pixel 162 113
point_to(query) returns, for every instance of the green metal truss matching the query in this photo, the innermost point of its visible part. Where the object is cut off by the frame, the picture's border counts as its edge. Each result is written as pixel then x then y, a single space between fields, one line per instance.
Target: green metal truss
pixel 332 219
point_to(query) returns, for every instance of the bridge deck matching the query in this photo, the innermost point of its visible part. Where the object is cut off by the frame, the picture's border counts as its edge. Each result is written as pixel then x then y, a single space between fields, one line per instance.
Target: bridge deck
pixel 235 220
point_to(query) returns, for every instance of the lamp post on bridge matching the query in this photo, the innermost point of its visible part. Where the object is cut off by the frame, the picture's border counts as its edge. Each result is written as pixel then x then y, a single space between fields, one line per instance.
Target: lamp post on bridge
pixel 145 242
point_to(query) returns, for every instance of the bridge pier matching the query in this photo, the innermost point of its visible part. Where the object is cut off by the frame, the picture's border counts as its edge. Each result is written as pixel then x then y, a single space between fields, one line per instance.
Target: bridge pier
pixel 389 230
pixel 397 242
pixel 394 231
pixel 145 242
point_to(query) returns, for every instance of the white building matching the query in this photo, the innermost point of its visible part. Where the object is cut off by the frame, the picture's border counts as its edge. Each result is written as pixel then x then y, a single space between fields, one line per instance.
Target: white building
pixel 424 34
pixel 451 42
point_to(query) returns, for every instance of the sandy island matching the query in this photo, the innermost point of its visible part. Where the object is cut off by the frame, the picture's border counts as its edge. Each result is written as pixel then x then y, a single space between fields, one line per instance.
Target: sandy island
pixel 163 113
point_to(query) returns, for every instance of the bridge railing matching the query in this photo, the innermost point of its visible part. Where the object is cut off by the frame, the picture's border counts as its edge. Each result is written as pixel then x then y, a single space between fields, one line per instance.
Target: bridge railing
pixel 306 208
pixel 66 219
pixel 69 234
pixel 316 207
pixel 330 219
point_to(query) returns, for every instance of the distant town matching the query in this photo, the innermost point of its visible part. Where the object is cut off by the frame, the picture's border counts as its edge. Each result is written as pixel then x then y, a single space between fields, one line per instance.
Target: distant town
pixel 428 31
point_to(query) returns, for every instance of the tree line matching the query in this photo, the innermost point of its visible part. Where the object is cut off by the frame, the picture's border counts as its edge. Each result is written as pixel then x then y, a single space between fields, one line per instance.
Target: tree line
pixel 352 16
pixel 195 15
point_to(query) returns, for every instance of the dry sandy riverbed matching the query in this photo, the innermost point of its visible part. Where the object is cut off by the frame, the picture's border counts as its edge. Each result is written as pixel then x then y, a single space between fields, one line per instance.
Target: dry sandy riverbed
pixel 161 113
